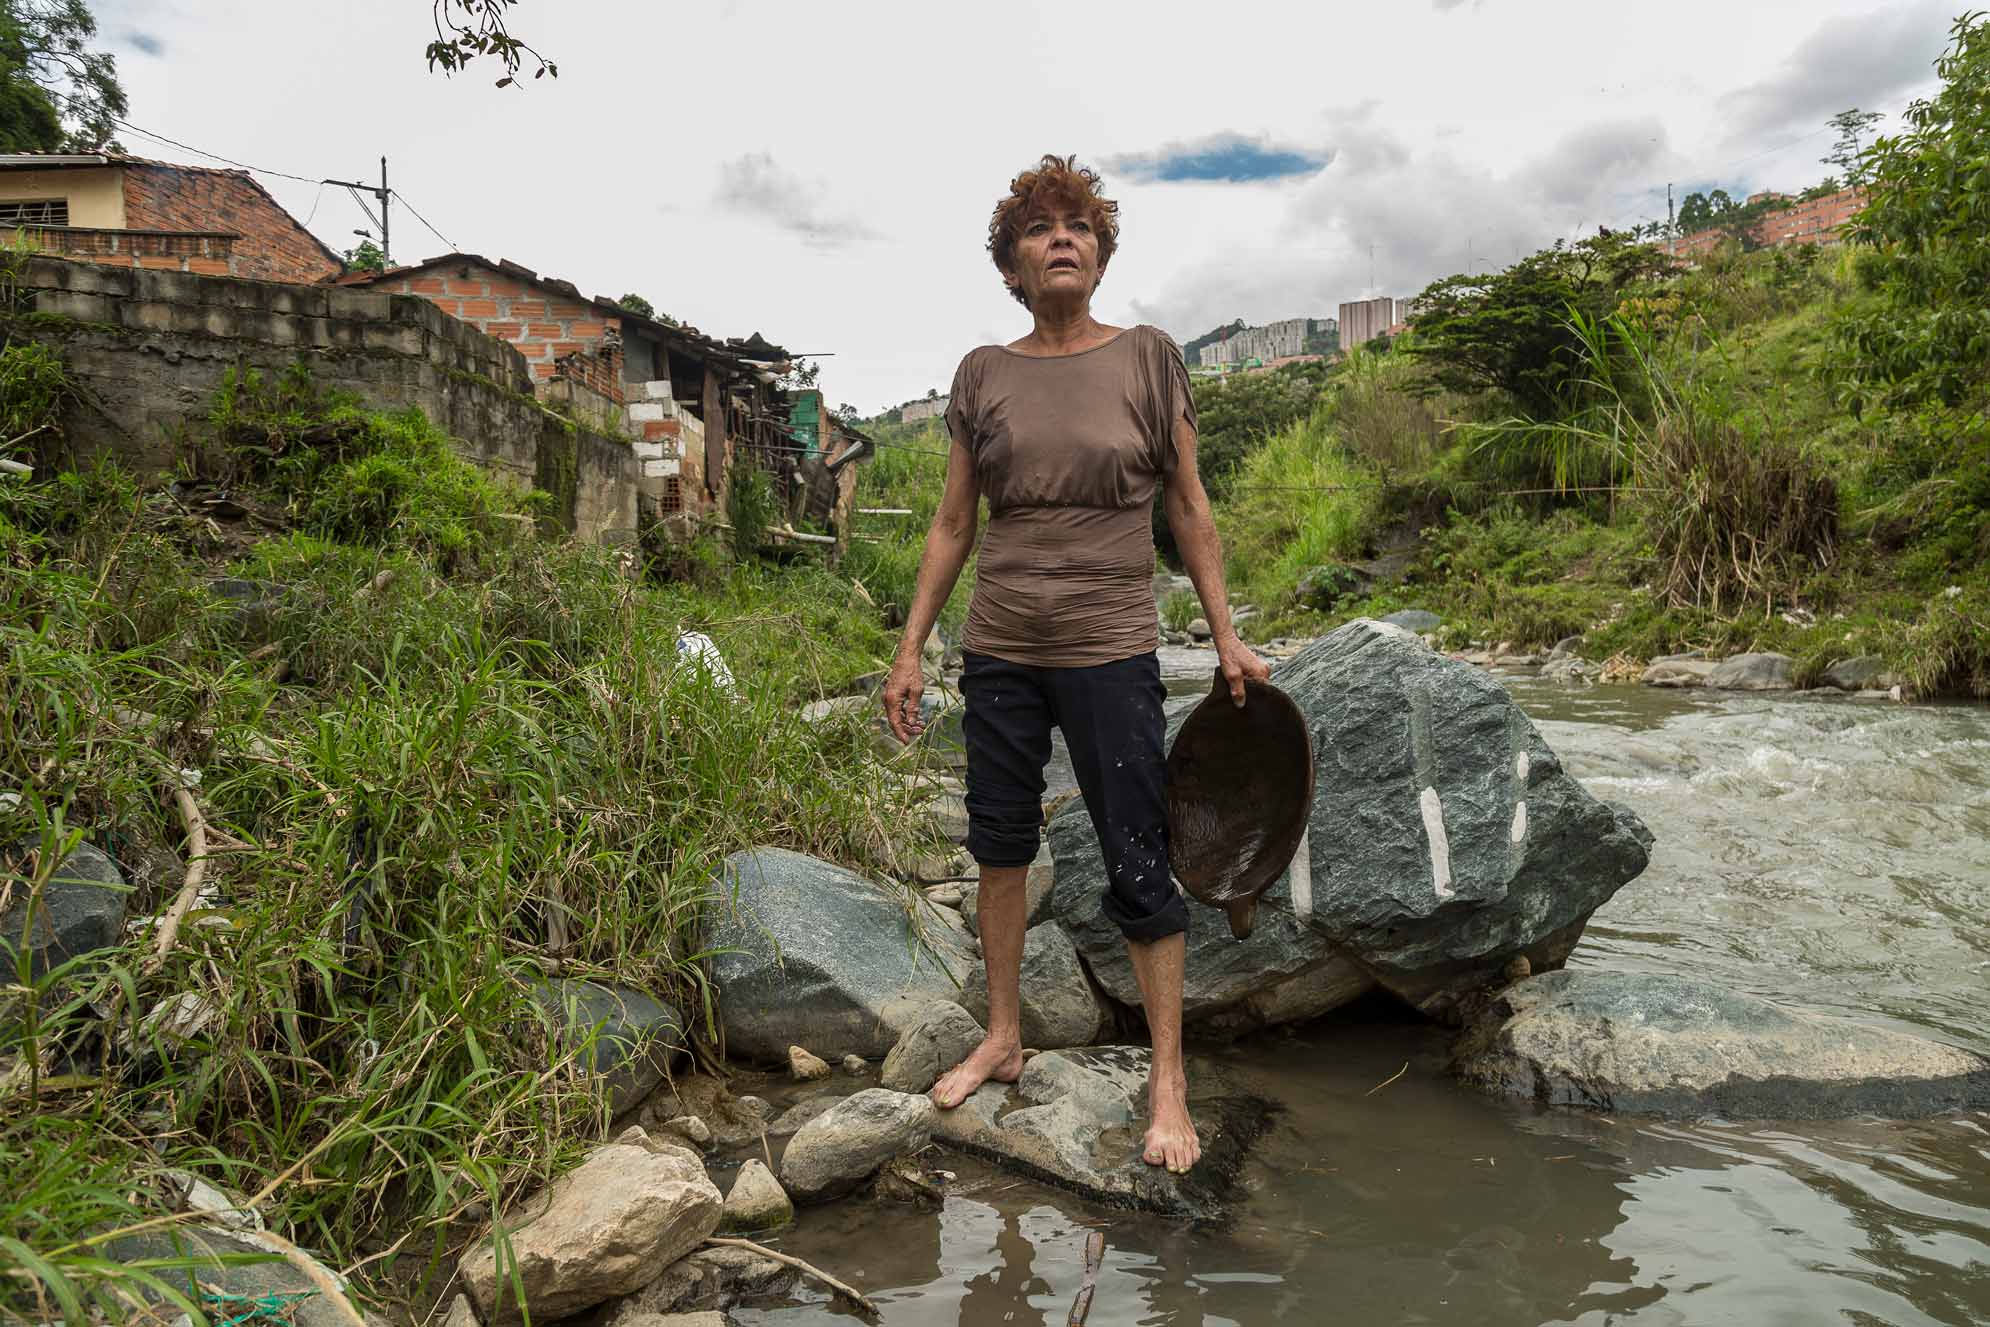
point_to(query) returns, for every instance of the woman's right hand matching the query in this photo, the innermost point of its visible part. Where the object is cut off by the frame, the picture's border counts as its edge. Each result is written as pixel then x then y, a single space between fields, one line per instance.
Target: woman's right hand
pixel 902 690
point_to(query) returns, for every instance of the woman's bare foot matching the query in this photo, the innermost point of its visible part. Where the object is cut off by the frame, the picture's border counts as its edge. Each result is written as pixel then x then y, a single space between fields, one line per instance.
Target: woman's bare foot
pixel 1000 1061
pixel 1171 1136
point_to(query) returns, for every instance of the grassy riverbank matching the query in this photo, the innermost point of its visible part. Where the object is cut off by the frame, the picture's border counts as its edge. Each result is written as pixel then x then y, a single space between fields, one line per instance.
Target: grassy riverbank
pixel 437 755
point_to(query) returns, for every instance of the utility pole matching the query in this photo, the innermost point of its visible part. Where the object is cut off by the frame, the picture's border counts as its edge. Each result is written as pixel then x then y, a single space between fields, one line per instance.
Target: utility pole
pixel 1670 225
pixel 383 193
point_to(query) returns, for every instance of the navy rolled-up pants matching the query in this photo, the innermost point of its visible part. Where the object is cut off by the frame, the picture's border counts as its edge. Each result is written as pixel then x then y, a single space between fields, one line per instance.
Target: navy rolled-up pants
pixel 1112 722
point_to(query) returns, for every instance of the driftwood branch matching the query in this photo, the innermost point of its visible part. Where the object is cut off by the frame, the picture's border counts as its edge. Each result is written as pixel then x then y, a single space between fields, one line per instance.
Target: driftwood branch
pixel 303 1262
pixel 169 926
pixel 864 1303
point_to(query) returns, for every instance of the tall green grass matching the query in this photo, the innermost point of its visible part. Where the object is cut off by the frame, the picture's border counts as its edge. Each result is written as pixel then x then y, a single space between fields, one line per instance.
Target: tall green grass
pixel 1298 501
pixel 437 770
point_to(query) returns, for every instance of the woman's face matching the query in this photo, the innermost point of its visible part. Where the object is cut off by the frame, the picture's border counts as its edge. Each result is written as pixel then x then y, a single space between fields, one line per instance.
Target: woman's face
pixel 1057 257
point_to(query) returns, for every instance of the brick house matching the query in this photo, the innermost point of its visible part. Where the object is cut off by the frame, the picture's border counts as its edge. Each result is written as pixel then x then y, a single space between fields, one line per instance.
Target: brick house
pixel 1820 221
pixel 129 212
pixel 689 403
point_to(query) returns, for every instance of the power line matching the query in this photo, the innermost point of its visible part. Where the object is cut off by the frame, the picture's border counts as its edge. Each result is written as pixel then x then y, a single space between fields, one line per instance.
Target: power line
pixel 212 156
pixel 424 220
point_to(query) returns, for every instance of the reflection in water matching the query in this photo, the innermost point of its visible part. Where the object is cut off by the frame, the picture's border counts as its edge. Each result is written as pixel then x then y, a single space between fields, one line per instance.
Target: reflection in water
pixel 1828 851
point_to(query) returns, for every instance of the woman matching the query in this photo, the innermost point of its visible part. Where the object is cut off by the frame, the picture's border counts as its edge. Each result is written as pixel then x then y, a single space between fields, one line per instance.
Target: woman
pixel 1066 432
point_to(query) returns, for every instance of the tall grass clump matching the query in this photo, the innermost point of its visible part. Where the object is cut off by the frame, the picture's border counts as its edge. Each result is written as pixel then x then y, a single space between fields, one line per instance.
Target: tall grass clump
pixel 909 473
pixel 1736 514
pixel 1298 501
pixel 438 764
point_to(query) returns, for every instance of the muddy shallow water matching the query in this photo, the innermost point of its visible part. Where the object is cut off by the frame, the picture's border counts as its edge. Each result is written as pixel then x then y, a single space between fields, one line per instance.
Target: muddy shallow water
pixel 1825 851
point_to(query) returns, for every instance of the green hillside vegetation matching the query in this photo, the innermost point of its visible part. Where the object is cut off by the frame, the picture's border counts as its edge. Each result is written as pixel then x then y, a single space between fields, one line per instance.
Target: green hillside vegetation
pixel 438 755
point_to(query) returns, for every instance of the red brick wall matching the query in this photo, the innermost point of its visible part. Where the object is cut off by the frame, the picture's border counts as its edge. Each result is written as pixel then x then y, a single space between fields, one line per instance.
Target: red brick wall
pixel 1819 221
pixel 272 247
pixel 544 325
pixel 209 255
pixel 598 368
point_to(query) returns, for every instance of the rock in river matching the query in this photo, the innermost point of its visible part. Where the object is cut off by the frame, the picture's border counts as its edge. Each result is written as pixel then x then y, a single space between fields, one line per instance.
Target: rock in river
pixel 1446 837
pixel 1077 1119
pixel 635 1035
pixel 601 1230
pixel 842 1147
pixel 1059 1007
pixel 804 952
pixel 1638 1043
pixel 1754 672
pixel 757 1201
pixel 941 1036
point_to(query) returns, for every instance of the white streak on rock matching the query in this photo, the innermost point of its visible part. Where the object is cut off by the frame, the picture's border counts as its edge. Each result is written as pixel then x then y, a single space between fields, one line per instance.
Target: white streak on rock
pixel 1520 766
pixel 1302 878
pixel 1519 821
pixel 1440 845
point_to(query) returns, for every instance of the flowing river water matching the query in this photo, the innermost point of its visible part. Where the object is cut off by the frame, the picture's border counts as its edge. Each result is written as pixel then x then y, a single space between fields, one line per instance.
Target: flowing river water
pixel 1828 852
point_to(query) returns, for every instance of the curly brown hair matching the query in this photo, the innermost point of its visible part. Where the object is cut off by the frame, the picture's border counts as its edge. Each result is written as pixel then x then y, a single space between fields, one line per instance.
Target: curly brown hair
pixel 1053 181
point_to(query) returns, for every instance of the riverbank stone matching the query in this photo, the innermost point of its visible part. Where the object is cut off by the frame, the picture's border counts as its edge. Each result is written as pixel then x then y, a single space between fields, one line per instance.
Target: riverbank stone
pixel 757 1201
pixel 1754 672
pixel 941 1036
pixel 1415 620
pixel 636 1037
pixel 597 1232
pixel 1677 673
pixel 805 952
pixel 1858 674
pixel 1446 838
pixel 1058 1005
pixel 839 1149
pixel 1077 1120
pixel 218 1263
pixel 81 910
pixel 1654 1044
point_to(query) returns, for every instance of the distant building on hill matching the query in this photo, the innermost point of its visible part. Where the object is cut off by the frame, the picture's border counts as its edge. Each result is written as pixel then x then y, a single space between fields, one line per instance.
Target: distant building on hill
pixel 1815 221
pixel 1364 320
pixel 1277 340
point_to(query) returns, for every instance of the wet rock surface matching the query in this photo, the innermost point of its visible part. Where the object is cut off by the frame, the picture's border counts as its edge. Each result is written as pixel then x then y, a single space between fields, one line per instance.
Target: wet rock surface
pixel 757 1201
pixel 1077 1120
pixel 597 1232
pixel 819 956
pixel 1638 1043
pixel 845 1145
pixel 1446 838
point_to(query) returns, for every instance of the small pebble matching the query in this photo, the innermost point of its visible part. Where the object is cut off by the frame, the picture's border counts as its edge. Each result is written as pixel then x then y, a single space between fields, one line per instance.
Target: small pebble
pixel 757 1107
pixel 690 1128
pixel 806 1067
pixel 857 1065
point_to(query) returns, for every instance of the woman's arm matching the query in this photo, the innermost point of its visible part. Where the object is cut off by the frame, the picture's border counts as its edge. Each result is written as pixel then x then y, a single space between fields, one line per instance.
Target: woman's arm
pixel 948 543
pixel 1187 505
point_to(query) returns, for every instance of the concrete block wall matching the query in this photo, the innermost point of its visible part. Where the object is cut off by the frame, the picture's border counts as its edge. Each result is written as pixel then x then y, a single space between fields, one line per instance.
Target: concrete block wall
pixel 151 348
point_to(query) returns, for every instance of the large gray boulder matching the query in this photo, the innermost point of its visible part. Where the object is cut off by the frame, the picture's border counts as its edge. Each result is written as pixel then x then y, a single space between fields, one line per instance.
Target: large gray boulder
pixel 235 1262
pixel 81 910
pixel 807 953
pixel 1446 837
pixel 1059 1006
pixel 597 1232
pixel 635 1036
pixel 1224 978
pixel 1076 1119
pixel 1638 1043
pixel 846 1144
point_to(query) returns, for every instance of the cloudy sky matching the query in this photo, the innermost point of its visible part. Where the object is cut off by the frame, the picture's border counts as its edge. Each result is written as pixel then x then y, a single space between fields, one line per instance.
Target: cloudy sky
pixel 823 173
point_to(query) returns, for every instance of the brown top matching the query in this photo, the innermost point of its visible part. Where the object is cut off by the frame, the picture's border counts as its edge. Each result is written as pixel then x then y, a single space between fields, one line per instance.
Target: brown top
pixel 1067 449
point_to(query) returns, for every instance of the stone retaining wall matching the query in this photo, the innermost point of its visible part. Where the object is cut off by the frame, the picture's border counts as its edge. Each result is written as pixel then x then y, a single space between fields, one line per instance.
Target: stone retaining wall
pixel 150 348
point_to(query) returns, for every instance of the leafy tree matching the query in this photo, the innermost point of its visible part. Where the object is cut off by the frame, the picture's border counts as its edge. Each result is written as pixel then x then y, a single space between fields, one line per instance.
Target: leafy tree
pixel 1512 332
pixel 1846 153
pixel 47 66
pixel 1236 412
pixel 28 119
pixel 639 306
pixel 1695 213
pixel 1925 240
pixel 467 29
pixel 366 258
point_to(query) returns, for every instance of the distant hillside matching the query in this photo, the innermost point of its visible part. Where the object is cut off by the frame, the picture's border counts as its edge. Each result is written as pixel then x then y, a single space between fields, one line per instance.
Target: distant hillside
pixel 1211 337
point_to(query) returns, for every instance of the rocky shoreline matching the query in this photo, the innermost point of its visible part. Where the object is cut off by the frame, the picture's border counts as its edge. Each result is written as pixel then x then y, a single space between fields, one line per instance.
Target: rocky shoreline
pixel 1451 865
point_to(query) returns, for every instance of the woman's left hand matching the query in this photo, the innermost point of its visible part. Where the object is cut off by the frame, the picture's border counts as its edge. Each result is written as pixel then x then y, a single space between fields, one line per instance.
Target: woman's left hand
pixel 1239 663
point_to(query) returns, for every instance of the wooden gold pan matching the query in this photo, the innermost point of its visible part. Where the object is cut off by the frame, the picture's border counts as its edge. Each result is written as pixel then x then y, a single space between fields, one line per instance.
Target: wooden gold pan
pixel 1240 789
